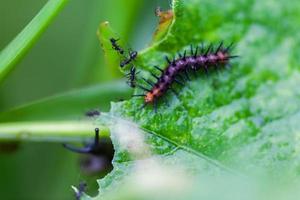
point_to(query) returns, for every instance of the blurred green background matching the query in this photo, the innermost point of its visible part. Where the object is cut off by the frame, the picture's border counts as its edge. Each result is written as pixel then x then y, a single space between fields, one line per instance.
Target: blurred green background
pixel 66 57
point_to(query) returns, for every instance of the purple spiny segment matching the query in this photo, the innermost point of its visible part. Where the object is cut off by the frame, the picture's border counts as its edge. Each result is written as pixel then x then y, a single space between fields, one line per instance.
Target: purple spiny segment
pixel 195 62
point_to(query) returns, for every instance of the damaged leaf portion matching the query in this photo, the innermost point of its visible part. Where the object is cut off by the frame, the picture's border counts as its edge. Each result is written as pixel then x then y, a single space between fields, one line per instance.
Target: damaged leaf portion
pixel 237 122
pixel 165 20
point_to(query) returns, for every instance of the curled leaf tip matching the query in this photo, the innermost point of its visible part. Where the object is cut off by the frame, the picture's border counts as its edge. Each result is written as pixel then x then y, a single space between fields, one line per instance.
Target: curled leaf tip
pixel 165 20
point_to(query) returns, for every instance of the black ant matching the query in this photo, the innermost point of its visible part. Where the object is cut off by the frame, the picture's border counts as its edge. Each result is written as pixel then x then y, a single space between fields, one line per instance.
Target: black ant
pixel 81 188
pixel 132 56
pixel 132 77
pixel 116 46
pixel 92 113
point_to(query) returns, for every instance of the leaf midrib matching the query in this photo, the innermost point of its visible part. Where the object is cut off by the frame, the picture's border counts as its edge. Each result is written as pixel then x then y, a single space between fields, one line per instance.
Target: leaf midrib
pixel 194 152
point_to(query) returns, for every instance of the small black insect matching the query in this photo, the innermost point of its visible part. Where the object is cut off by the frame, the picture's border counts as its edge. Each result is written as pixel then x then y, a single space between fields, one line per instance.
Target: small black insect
pixel 81 189
pixel 98 154
pixel 92 113
pixel 132 77
pixel 91 148
pixel 116 46
pixel 132 56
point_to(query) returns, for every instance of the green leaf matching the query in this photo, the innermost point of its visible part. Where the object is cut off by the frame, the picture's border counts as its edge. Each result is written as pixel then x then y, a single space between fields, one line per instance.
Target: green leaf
pixel 29 35
pixel 105 33
pixel 90 66
pixel 237 127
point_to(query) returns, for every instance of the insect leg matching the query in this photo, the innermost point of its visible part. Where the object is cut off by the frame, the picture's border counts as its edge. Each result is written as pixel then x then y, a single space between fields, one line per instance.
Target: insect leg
pixel 156 67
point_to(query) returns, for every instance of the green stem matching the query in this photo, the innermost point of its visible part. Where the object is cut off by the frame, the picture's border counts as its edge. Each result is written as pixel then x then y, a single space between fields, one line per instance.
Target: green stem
pixel 29 35
pixel 50 131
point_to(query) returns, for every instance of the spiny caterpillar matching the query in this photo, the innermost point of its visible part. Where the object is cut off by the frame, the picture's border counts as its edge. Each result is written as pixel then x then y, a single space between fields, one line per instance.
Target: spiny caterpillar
pixel 206 59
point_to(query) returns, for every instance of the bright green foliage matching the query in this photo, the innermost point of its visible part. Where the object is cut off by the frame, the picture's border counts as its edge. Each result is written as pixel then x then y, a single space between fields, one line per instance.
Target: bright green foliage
pixel 105 33
pixel 242 121
pixel 25 40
